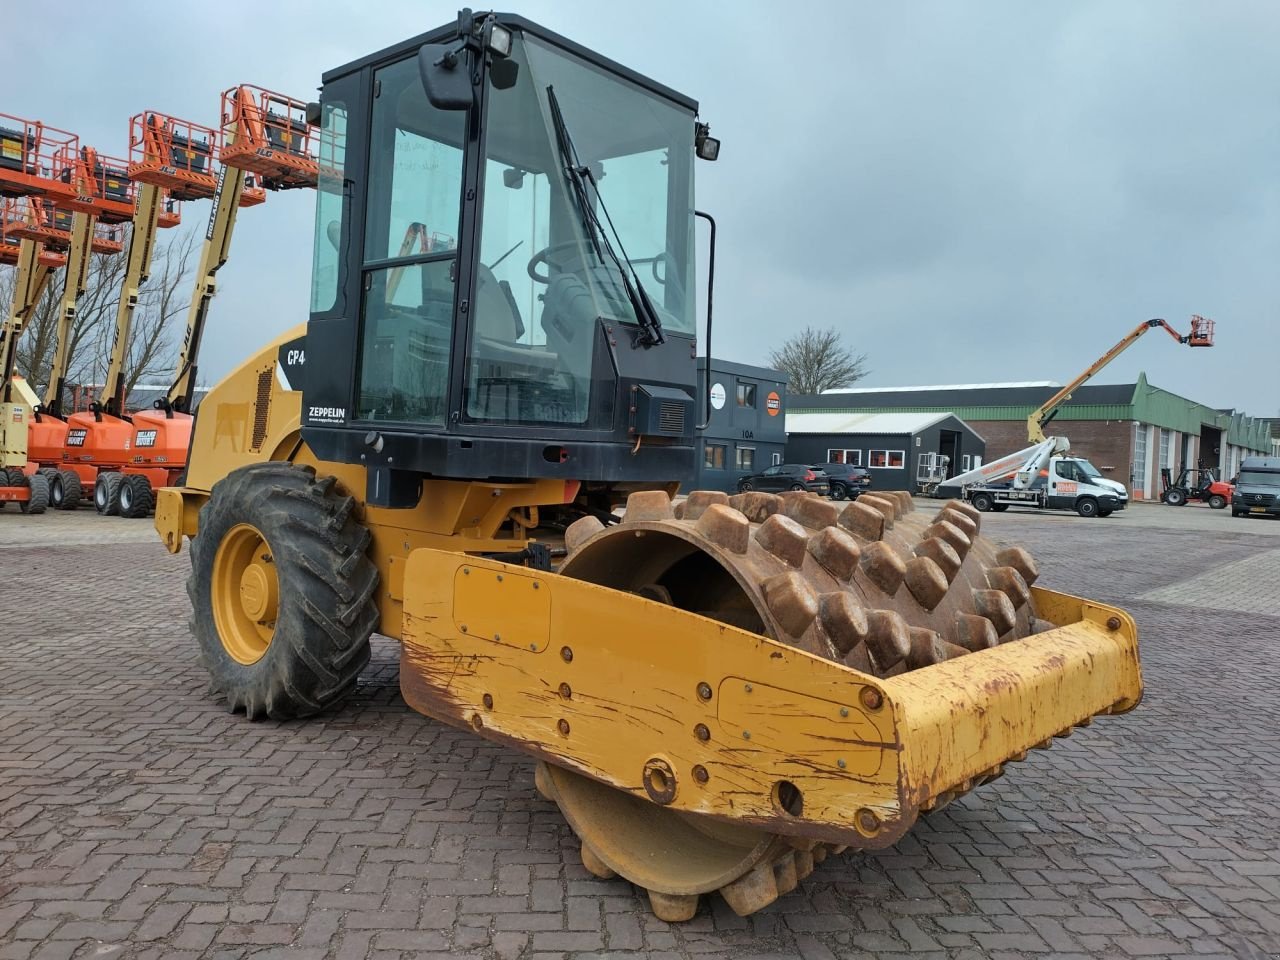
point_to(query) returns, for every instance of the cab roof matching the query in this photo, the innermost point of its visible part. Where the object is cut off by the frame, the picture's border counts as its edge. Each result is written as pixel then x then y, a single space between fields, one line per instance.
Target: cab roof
pixel 514 22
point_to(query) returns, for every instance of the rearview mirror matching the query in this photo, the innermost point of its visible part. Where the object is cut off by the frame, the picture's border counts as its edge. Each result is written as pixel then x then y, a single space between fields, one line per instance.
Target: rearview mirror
pixel 444 76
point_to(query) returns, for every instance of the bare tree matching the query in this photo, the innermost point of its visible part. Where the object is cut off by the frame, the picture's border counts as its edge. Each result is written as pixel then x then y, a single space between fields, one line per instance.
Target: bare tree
pixel 151 349
pixel 817 360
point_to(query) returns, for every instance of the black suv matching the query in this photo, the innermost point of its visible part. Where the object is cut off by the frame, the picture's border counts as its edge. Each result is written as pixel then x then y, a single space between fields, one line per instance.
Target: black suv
pixel 847 481
pixel 788 476
pixel 1257 488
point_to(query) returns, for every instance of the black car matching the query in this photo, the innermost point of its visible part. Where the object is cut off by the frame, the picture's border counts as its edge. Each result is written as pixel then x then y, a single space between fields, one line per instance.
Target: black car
pixel 846 481
pixel 787 476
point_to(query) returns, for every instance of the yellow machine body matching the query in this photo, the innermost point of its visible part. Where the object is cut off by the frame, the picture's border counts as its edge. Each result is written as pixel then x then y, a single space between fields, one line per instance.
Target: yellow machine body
pixel 658 702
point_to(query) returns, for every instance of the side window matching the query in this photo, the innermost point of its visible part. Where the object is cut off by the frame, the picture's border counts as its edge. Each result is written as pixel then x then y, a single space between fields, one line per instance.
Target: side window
pixel 835 456
pixel 330 208
pixel 414 207
pixel 713 456
pixel 776 459
pixel 746 458
pixel 773 471
pixel 1065 469
pixel 746 394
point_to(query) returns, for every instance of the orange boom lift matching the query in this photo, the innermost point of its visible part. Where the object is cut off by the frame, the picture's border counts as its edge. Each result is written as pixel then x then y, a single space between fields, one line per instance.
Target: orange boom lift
pixel 265 134
pixel 30 173
pixel 92 220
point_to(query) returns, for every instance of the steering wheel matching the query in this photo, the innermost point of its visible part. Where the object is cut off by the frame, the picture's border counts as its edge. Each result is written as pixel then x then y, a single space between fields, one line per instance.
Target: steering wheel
pixel 546 254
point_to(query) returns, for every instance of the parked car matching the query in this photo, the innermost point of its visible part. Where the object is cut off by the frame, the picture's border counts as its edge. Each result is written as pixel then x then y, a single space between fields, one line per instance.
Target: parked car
pixel 1257 488
pixel 846 481
pixel 787 476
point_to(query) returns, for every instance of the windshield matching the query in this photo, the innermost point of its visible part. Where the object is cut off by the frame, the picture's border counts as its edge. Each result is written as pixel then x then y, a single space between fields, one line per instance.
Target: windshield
pixel 1088 469
pixel 1262 478
pixel 547 281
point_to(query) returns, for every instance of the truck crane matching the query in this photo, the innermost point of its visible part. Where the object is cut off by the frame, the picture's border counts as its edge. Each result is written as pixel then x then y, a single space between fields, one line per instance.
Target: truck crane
pixel 263 135
pixel 1042 476
pixel 33 156
pixel 1201 335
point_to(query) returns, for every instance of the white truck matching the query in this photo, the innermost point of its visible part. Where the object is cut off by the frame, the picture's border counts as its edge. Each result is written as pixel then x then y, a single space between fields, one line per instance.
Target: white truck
pixel 1040 476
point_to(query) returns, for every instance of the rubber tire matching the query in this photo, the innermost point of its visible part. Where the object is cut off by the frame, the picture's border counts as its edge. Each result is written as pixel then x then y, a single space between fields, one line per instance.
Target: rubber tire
pixel 38 502
pixel 839 491
pixel 999 507
pixel 797 486
pixel 1175 497
pixel 136 498
pixel 1105 513
pixel 1217 501
pixel 66 491
pixel 745 486
pixel 15 477
pixel 983 502
pixel 48 473
pixel 1088 507
pixel 328 591
pixel 106 494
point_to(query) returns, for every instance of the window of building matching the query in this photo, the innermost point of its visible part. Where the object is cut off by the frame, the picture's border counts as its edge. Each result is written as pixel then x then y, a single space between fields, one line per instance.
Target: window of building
pixel 746 394
pixel 746 458
pixel 887 459
pixel 851 457
pixel 1166 447
pixel 966 463
pixel 775 459
pixel 713 456
pixel 1138 478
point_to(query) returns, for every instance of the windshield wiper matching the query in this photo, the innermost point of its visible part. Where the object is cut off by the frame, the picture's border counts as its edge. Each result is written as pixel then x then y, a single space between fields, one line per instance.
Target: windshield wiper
pixel 579 175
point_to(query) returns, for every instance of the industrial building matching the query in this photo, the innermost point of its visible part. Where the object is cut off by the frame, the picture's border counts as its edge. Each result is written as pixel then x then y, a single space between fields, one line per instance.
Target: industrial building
pixel 901 450
pixel 745 432
pixel 1129 431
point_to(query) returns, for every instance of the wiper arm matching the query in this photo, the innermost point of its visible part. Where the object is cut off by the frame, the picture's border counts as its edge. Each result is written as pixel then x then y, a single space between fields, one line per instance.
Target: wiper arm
pixel 578 176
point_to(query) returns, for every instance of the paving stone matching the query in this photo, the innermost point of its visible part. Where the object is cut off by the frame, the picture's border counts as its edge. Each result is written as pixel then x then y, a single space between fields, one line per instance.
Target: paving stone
pixel 138 819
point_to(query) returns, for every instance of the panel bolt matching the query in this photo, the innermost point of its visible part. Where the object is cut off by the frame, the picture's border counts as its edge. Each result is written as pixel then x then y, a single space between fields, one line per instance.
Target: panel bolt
pixel 566 654
pixel 868 822
pixel 704 691
pixel 497 638
pixel 488 701
pixel 746 687
pixel 463 628
pixel 537 585
pixel 871 698
pixel 566 691
pixel 840 763
pixel 701 732
pixel 499 578
pixel 700 774
pixel 466 571
pixel 844 711
pixel 1113 623
pixel 563 727
pixel 746 734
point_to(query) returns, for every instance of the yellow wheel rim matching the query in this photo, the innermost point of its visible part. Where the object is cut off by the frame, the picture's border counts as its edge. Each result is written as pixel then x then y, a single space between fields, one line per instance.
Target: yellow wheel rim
pixel 246 594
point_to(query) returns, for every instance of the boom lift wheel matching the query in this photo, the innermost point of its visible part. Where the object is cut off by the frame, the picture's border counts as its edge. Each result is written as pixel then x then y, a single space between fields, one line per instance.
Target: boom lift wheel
pixel 136 499
pixel 65 490
pixel 282 591
pixel 106 494
pixel 1175 497
pixel 38 501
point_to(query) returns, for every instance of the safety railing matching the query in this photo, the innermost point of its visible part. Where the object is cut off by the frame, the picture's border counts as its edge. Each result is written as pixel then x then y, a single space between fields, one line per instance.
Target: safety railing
pixel 175 154
pixel 267 133
pixel 29 157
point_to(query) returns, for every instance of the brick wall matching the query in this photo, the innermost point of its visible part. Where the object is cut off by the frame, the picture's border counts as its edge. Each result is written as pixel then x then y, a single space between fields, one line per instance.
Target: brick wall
pixel 1107 444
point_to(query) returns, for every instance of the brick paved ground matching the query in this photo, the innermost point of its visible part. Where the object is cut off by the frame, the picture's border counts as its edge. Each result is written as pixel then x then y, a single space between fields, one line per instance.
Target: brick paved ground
pixel 139 820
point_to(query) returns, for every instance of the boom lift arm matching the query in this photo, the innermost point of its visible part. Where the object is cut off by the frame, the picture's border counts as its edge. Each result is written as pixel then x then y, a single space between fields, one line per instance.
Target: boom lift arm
pixel 83 226
pixel 1201 335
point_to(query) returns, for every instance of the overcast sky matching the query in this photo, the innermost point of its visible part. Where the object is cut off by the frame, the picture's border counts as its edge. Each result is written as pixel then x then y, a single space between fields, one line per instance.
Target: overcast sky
pixel 970 192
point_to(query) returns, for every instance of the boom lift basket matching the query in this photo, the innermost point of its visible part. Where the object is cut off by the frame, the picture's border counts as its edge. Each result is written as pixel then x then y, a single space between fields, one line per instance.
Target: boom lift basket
pixel 175 154
pixel 13 219
pixel 170 213
pixel 100 184
pixel 268 134
pixel 1201 332
pixel 29 158
pixel 39 220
